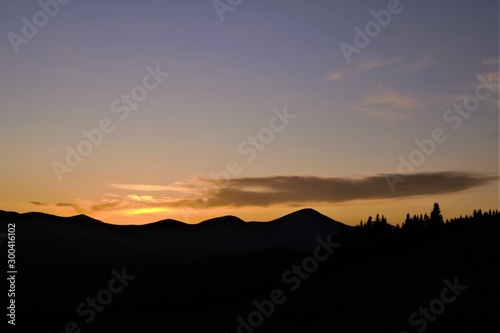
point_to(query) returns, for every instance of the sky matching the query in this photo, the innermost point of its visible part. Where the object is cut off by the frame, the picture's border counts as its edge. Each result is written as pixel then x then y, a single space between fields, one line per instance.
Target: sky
pixel 137 111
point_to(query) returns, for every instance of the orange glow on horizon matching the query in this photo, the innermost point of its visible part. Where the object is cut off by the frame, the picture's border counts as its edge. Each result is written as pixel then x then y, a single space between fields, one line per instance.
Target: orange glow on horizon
pixel 151 210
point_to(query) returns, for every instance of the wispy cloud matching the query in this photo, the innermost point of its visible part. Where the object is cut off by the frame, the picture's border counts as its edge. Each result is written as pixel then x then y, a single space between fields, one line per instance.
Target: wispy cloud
pixel 468 88
pixel 427 60
pixel 139 187
pixel 36 203
pixel 491 61
pixel 361 66
pixel 106 206
pixel 389 104
pixel 392 98
pixel 144 198
pixel 493 78
pixel 76 207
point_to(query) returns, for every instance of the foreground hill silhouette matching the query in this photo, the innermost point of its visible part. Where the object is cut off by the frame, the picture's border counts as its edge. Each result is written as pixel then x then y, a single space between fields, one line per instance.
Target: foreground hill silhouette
pixel 83 239
pixel 374 281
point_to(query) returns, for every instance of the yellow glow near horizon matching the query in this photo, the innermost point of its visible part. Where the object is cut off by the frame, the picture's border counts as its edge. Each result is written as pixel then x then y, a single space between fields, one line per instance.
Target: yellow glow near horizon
pixel 152 210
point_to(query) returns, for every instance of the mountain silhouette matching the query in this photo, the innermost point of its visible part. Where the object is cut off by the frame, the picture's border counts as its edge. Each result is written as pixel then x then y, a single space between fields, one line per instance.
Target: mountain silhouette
pixel 223 221
pixel 304 216
pixel 83 238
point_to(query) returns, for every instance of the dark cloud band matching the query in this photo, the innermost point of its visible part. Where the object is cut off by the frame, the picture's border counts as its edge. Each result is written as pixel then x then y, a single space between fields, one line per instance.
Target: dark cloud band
pixel 265 191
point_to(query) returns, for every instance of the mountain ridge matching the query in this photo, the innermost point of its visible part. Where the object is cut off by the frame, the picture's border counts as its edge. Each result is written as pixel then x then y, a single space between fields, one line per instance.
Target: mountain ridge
pixel 51 238
pixel 305 213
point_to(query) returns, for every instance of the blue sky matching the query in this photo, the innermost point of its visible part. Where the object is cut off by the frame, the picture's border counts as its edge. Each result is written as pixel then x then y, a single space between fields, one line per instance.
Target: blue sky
pixel 352 120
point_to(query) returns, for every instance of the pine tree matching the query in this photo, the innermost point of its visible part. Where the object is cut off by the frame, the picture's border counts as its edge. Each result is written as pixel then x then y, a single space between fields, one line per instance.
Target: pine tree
pixel 436 217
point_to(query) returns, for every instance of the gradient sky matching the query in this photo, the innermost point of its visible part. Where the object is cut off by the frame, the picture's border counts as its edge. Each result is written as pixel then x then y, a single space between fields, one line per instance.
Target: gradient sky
pixel 227 80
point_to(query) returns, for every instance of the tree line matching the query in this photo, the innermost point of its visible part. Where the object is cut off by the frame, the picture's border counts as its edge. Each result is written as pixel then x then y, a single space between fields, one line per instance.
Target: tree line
pixel 417 231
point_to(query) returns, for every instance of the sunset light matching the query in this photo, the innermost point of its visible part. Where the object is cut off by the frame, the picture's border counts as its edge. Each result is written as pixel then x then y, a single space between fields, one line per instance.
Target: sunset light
pixel 250 166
